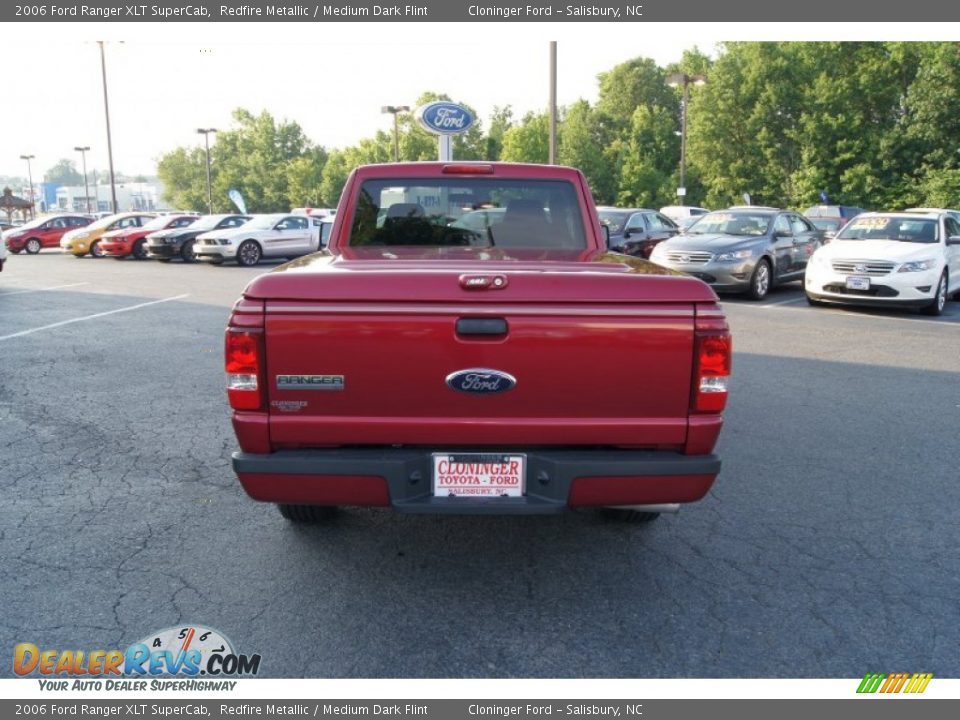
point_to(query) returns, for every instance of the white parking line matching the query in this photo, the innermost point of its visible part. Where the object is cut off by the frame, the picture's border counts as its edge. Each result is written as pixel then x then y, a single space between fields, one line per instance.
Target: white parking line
pixel 785 302
pixel 52 287
pixel 89 317
pixel 945 320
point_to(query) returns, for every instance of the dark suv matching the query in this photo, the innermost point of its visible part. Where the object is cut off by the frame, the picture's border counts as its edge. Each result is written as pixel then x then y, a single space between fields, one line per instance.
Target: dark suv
pixel 636 231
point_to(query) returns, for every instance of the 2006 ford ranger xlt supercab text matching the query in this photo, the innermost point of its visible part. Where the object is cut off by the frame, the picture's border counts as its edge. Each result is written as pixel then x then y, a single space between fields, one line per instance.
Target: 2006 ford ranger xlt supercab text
pixel 452 351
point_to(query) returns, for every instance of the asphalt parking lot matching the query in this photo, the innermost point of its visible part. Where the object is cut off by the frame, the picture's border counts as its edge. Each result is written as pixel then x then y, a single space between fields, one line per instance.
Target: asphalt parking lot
pixel 827 548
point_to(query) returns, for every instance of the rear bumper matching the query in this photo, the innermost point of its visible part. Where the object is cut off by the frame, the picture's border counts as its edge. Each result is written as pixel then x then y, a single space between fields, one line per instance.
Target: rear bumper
pixel 556 480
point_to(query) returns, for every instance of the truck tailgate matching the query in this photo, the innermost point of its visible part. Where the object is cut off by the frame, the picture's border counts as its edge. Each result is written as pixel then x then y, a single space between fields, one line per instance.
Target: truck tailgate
pixel 587 373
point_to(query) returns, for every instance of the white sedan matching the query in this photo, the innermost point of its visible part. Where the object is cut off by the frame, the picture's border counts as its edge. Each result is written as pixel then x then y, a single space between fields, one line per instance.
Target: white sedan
pixel 905 259
pixel 265 236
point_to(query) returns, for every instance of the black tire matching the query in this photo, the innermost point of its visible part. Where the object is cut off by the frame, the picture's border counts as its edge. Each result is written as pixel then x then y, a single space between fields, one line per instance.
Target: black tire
pixel 139 251
pixel 186 252
pixel 626 515
pixel 939 297
pixel 761 280
pixel 307 513
pixel 95 250
pixel 249 253
pixel 33 246
pixel 163 260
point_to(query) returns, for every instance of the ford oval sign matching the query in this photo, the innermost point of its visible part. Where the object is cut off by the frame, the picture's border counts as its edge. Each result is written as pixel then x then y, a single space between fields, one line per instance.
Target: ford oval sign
pixel 444 118
pixel 481 381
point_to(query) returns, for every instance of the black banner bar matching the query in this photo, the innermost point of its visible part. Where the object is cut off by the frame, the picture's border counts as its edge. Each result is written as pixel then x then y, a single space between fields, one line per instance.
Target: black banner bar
pixel 491 11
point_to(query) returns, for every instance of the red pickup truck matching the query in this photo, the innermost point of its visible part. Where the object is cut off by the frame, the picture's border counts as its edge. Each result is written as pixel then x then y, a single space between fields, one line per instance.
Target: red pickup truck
pixel 440 367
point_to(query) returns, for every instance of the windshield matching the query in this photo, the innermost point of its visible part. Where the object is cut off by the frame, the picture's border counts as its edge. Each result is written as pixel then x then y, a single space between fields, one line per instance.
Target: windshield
pixel 613 219
pixel 161 222
pixel 264 222
pixel 34 223
pixel 729 223
pixel 104 222
pixel 889 227
pixel 479 212
pixel 826 223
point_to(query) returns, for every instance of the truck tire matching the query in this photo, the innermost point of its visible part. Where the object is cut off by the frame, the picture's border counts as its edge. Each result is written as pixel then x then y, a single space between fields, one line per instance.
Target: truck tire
pixel 307 513
pixel 625 515
pixel 249 253
pixel 33 246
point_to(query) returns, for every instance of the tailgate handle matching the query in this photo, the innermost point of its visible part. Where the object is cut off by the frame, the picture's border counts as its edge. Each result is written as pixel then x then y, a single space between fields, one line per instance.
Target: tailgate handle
pixel 481 326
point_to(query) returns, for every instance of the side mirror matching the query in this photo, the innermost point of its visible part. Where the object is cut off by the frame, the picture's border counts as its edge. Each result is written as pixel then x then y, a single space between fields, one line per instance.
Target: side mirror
pixel 829 234
pixel 953 240
pixel 626 233
pixel 781 234
pixel 606 234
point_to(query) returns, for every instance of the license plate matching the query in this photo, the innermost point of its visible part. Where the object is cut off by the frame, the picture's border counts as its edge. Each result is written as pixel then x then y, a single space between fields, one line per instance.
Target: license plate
pixel 858 283
pixel 478 475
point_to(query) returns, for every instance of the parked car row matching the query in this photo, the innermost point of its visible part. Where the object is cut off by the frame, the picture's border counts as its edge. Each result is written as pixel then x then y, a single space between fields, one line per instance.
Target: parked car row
pixel 187 236
pixel 893 259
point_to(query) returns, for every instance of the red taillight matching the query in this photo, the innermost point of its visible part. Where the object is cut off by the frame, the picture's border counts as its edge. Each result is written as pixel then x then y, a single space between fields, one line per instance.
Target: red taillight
pixel 473 169
pixel 712 373
pixel 244 366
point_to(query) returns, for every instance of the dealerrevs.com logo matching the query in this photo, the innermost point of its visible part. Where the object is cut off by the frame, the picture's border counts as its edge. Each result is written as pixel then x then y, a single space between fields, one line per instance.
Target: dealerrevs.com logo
pixel 181 652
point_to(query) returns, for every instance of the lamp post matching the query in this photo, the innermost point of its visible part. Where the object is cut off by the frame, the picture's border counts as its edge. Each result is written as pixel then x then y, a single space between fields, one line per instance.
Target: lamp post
pixel 685 81
pixel 86 188
pixel 206 146
pixel 552 152
pixel 28 158
pixel 106 111
pixel 395 110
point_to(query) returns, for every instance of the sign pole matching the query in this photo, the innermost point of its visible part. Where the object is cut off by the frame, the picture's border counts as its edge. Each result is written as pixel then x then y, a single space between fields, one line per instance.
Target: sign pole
pixel 444 148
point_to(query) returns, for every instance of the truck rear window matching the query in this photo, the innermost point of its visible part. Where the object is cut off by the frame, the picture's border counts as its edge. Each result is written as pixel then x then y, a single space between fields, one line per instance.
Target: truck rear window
pixel 479 212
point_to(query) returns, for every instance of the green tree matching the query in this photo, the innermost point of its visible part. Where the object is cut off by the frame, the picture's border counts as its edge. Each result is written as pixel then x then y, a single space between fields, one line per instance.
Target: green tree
pixel 647 172
pixel 63 173
pixel 528 140
pixel 304 178
pixel 500 122
pixel 580 145
pixel 253 157
pixel 333 178
pixel 183 174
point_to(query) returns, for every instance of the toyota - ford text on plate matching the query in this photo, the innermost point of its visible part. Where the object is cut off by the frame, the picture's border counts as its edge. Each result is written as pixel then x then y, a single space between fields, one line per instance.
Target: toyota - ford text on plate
pixel 435 367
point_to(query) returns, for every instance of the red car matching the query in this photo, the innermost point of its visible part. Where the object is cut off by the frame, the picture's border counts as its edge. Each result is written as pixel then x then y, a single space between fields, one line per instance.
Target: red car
pixel 437 368
pixel 42 233
pixel 132 240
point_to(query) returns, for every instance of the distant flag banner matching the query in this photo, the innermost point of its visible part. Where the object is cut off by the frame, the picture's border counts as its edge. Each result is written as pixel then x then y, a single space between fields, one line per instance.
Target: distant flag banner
pixel 237 199
pixel 894 683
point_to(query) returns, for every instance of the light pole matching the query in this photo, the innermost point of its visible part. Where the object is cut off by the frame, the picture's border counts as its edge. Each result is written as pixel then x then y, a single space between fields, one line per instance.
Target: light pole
pixel 552 153
pixel 395 110
pixel 106 111
pixel 206 145
pixel 685 81
pixel 28 158
pixel 86 188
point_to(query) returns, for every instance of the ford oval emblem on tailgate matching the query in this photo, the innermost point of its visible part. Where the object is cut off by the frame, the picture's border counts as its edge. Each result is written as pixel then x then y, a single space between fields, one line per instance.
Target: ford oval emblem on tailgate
pixel 481 381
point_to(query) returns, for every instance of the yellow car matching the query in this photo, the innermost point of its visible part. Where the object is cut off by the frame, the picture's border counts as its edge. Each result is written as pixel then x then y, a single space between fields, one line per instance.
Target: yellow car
pixel 85 240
